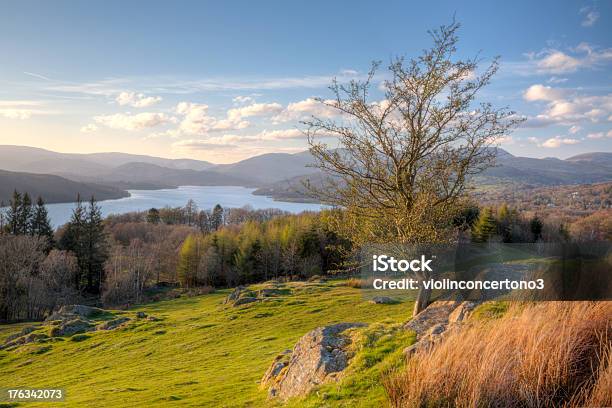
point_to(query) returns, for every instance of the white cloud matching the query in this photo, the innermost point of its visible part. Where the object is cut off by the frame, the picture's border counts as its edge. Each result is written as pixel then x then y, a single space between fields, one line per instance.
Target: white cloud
pixel 197 121
pixel 22 109
pixel 599 135
pixel 243 100
pixel 574 129
pixel 128 121
pixel 305 109
pixel 567 107
pixel 202 144
pixel 256 109
pixel 557 141
pixel 540 92
pixel 584 55
pixel 136 100
pixel 556 80
pixel 590 16
pixel 92 127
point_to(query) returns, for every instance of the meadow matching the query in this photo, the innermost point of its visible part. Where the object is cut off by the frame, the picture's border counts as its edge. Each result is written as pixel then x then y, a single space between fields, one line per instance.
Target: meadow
pixel 202 352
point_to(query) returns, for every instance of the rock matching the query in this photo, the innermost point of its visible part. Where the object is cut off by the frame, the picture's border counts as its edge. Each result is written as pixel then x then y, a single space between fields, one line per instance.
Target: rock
pixel 435 321
pixel 270 292
pixel 382 300
pixel 70 312
pixel 245 300
pixel 23 332
pixel 280 361
pixel 112 324
pixel 462 312
pixel 24 339
pixel 141 315
pixel 318 357
pixel 232 297
pixel 71 327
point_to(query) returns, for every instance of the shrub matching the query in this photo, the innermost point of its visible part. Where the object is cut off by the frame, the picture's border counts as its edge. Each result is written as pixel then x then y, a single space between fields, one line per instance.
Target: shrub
pixel 550 354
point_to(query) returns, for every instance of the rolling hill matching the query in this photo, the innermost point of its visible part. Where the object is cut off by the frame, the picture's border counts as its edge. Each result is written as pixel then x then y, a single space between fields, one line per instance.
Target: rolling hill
pixel 150 173
pixel 53 189
pixel 270 168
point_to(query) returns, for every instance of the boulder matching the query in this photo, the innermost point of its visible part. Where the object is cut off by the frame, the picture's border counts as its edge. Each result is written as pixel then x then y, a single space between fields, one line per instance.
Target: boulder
pixel 319 356
pixel 245 300
pixel 71 327
pixel 232 297
pixel 24 339
pixel 435 321
pixel 382 300
pixel 112 324
pixel 70 312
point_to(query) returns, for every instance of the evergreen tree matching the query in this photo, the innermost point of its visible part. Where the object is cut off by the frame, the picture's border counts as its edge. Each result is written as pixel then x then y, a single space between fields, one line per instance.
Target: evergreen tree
pixel 12 215
pixel 72 239
pixel 485 226
pixel 96 247
pixel 41 225
pixel 2 218
pixel 24 218
pixel 216 218
pixel 536 226
pixel 153 216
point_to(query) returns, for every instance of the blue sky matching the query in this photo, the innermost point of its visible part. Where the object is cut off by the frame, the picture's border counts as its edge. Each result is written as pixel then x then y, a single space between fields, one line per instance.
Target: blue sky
pixel 222 81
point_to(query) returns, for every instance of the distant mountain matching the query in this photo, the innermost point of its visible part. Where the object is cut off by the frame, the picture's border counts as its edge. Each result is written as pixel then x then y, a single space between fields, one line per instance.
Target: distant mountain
pixel 510 170
pixel 270 168
pixel 139 173
pixel 53 189
pixel 600 158
pixel 76 165
pixel 546 172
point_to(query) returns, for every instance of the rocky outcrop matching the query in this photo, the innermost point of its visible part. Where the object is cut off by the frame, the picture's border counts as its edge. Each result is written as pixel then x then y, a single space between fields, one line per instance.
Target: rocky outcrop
pixel 435 321
pixel 70 327
pixel 318 357
pixel 68 321
pixel 113 324
pixel 71 312
pixel 383 300
pixel 242 295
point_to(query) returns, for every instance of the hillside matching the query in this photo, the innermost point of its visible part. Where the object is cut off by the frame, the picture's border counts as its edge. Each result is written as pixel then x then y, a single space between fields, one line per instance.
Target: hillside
pixel 510 172
pixel 151 173
pixel 205 353
pixel 271 167
pixel 36 160
pixel 53 189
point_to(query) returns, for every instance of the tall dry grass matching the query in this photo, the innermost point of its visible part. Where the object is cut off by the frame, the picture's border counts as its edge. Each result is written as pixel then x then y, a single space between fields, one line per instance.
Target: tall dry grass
pixel 545 355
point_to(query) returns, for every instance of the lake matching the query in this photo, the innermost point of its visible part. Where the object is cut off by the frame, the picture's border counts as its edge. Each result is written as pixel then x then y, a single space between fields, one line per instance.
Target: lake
pixel 205 198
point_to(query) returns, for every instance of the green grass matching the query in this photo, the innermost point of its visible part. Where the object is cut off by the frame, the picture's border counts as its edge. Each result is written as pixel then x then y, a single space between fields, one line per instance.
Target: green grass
pixel 205 353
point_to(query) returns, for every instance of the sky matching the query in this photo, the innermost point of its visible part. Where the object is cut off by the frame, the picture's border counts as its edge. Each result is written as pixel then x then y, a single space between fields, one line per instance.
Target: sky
pixel 226 80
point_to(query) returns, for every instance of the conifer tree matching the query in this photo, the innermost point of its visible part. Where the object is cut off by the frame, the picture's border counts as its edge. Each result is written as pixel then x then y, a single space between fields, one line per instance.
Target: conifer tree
pixel 96 247
pixel 24 218
pixel 484 227
pixel 13 213
pixel 216 218
pixel 41 225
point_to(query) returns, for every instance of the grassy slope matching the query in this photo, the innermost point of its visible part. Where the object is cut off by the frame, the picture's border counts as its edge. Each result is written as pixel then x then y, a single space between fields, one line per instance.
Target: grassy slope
pixel 204 353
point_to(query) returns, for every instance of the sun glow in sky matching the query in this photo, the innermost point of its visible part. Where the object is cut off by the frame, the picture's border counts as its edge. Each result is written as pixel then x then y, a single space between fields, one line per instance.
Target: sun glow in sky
pixel 222 81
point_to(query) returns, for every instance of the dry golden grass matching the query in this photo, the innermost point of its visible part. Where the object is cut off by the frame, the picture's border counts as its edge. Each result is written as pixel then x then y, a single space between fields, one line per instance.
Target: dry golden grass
pixel 545 355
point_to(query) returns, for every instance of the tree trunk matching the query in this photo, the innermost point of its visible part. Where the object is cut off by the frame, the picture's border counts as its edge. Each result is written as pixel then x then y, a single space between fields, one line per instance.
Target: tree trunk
pixel 422 301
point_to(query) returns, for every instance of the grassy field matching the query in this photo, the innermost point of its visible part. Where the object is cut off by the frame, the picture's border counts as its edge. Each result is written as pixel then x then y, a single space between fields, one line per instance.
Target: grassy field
pixel 205 353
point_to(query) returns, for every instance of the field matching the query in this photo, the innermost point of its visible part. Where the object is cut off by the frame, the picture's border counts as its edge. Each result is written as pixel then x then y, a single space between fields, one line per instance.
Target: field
pixel 205 353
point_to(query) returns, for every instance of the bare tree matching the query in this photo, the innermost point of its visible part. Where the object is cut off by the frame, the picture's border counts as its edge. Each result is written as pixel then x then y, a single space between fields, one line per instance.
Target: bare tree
pixel 404 162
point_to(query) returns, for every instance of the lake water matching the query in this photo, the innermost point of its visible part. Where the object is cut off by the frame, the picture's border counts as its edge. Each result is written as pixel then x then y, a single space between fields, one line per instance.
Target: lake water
pixel 205 198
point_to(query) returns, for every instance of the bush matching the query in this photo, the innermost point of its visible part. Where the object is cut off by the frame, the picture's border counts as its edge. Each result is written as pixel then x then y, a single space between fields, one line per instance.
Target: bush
pixel 550 354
